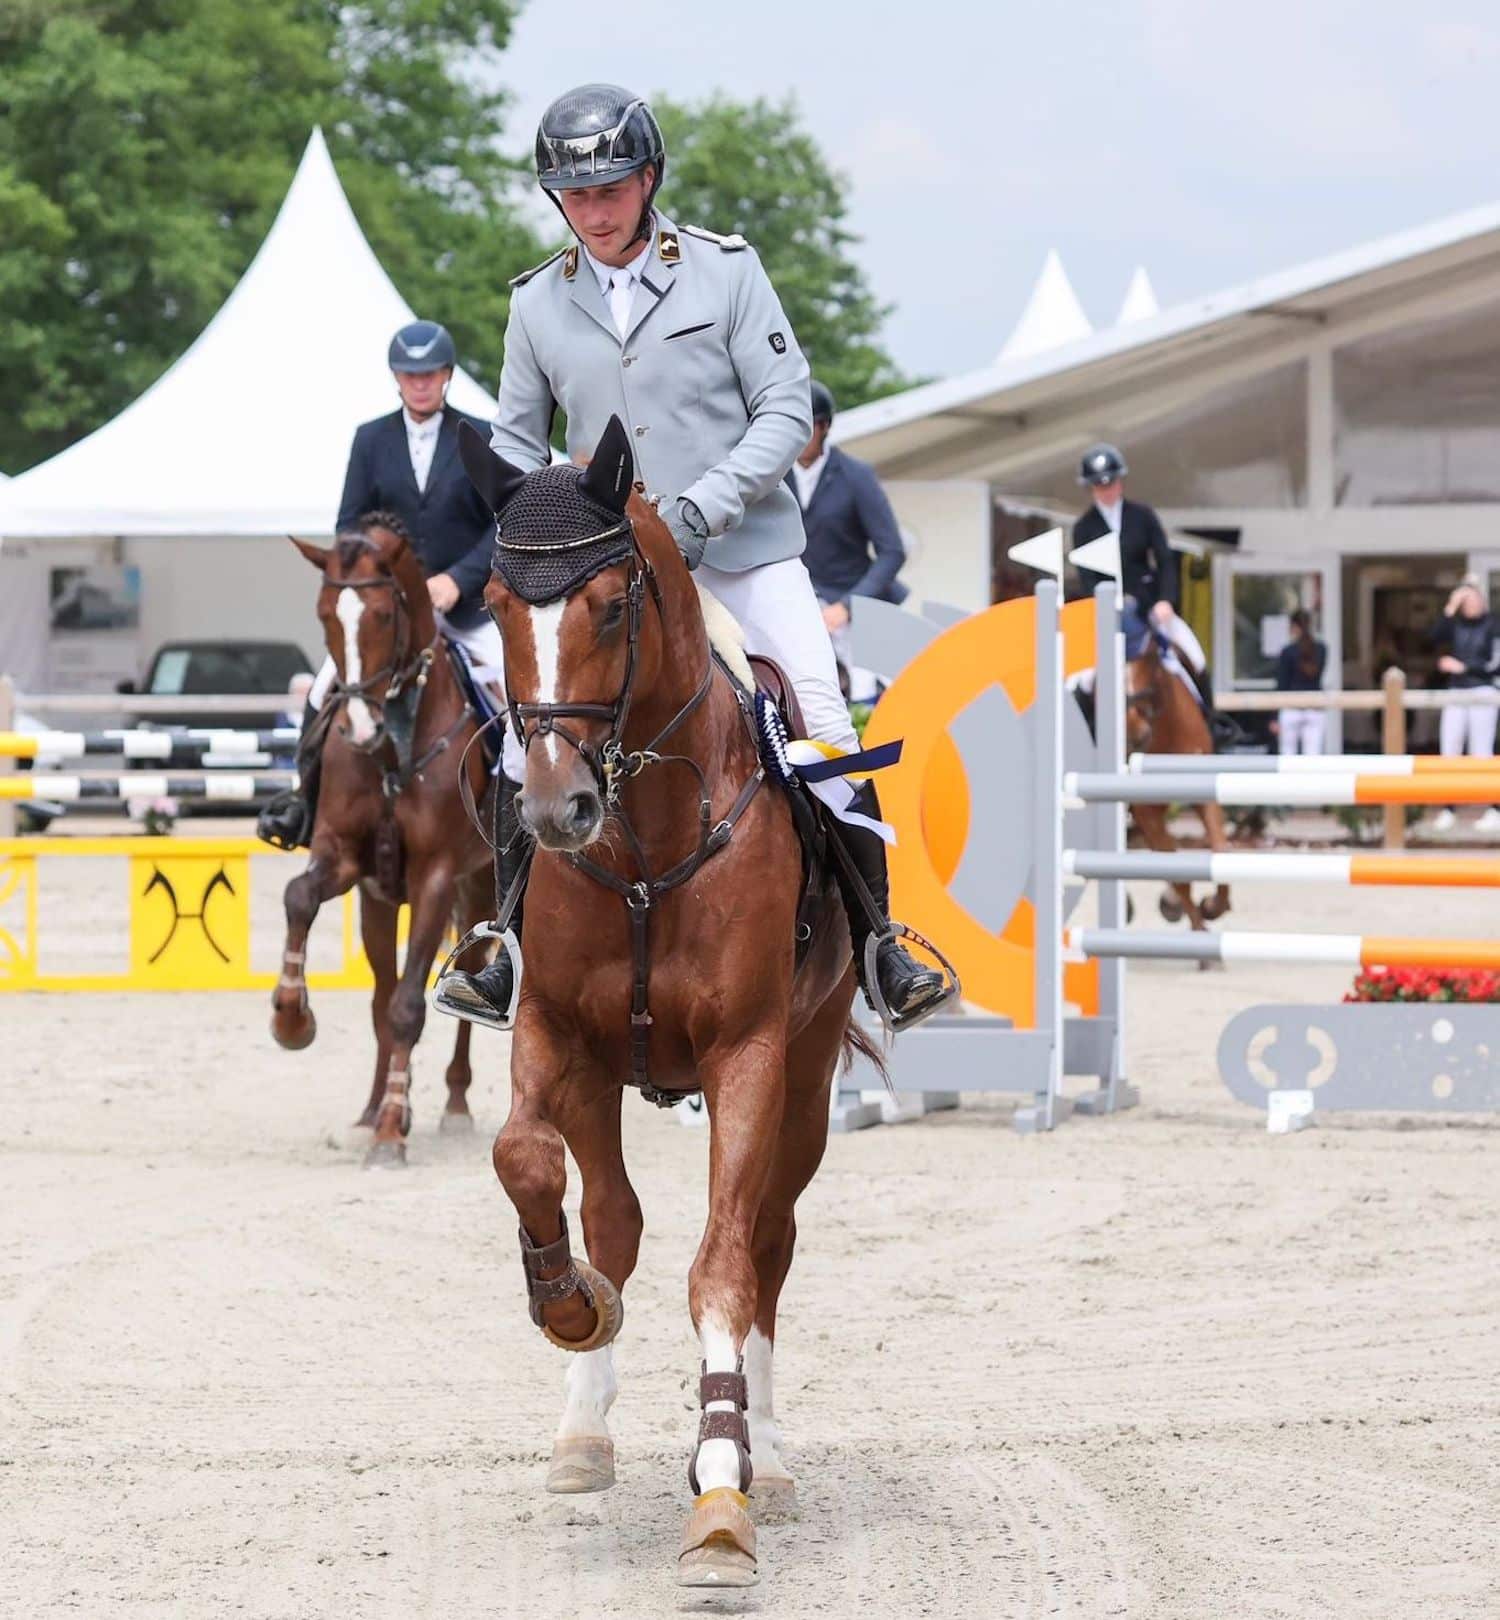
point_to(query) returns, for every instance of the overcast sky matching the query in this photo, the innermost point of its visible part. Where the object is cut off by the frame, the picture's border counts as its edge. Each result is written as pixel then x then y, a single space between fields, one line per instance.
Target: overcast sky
pixel 1210 141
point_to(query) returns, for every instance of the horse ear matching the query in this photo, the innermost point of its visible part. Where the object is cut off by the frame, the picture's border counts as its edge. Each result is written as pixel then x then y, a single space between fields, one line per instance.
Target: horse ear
pixel 494 478
pixel 607 478
pixel 318 556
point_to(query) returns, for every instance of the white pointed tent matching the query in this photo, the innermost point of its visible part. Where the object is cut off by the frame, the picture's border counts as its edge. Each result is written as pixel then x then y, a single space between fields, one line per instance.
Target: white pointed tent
pixel 1140 299
pixel 248 433
pixel 1052 316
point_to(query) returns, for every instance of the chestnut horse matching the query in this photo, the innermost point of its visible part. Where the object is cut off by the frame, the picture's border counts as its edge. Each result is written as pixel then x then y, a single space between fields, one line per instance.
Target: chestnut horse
pixel 393 824
pixel 1162 716
pixel 659 950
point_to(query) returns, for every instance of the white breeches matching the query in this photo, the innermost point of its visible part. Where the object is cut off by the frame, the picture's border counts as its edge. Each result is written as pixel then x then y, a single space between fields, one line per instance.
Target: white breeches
pixel 1466 730
pixel 1180 633
pixel 779 613
pixel 1300 731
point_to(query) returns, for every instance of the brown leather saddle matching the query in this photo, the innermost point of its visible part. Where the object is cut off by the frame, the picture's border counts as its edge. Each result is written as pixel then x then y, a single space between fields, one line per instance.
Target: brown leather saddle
pixel 771 679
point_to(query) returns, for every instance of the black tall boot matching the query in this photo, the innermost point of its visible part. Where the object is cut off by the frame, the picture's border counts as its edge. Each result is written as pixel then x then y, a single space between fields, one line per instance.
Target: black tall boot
pixel 909 989
pixel 484 997
pixel 1222 727
pixel 287 821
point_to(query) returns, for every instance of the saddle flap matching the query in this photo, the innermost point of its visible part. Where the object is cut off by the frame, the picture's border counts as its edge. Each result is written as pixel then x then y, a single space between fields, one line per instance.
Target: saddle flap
pixel 772 679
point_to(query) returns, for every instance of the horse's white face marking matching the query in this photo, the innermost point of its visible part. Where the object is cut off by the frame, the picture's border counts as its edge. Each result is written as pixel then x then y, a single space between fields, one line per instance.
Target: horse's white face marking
pixel 350 609
pixel 765 1435
pixel 591 1391
pixel 718 1461
pixel 546 642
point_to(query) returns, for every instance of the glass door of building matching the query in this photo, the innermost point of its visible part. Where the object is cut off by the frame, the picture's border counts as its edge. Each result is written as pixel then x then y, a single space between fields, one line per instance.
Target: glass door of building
pixel 1254 599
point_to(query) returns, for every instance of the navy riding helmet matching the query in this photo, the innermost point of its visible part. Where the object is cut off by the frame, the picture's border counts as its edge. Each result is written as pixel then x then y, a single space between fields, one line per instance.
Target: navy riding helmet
pixel 422 346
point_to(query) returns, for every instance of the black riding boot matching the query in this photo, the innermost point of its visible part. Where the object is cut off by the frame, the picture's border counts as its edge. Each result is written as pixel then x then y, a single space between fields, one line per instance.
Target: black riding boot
pixel 287 821
pixel 909 988
pixel 1223 728
pixel 484 997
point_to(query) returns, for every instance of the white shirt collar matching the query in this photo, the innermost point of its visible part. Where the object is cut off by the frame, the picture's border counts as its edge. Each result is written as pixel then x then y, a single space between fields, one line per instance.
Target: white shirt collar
pixel 1111 513
pixel 425 429
pixel 604 273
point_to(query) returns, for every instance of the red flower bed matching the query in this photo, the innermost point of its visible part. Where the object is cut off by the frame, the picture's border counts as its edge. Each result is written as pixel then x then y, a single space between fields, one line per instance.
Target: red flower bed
pixel 1426 984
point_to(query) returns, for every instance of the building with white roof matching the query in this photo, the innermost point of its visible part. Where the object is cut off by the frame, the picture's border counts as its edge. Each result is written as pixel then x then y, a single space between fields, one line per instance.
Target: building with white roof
pixel 1331 433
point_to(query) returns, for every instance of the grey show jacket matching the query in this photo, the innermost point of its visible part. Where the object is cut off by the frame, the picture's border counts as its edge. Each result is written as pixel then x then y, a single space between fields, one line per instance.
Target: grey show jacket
pixel 709 380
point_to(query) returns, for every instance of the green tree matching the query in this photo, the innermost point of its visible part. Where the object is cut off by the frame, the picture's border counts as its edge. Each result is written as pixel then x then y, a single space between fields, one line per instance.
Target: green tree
pixel 751 167
pixel 146 144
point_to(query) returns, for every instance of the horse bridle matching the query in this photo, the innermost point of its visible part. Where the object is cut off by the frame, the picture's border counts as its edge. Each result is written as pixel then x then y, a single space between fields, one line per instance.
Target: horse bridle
pixel 611 767
pixel 402 669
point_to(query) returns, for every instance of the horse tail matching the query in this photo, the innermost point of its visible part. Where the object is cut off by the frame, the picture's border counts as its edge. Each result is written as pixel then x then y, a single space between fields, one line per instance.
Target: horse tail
pixel 857 1043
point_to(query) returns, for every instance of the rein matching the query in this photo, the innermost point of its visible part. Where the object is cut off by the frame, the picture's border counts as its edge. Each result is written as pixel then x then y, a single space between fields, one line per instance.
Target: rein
pixel 612 766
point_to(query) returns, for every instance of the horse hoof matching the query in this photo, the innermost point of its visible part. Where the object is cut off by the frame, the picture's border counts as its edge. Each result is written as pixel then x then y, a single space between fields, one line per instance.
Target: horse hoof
pixel 774 1498
pixel 456 1125
pixel 609 1312
pixel 581 1463
pixel 386 1156
pixel 1172 910
pixel 718 1545
pixel 294 1037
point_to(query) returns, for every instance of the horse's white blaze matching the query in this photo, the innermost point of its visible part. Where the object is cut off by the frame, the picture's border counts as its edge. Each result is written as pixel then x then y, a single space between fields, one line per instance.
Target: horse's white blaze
pixel 718 1462
pixel 350 610
pixel 591 1391
pixel 546 642
pixel 765 1435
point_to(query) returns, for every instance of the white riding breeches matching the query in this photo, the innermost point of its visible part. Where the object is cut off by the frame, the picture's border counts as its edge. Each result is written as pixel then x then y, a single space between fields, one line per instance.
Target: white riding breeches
pixel 1180 633
pixel 1467 729
pixel 781 618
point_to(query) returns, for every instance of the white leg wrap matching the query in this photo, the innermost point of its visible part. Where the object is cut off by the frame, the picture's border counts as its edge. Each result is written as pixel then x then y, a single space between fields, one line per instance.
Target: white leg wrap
pixel 591 1389
pixel 718 1462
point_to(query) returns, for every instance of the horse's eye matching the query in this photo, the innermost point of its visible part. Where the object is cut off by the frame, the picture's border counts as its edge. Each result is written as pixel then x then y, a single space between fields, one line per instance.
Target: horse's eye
pixel 613 615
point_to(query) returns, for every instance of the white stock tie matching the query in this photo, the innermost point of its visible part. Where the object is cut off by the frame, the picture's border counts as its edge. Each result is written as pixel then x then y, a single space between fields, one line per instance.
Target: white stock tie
pixel 621 297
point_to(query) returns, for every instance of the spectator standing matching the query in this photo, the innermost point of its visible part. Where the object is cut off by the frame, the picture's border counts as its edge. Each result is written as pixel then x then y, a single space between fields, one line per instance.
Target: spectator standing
pixel 1300 666
pixel 1468 657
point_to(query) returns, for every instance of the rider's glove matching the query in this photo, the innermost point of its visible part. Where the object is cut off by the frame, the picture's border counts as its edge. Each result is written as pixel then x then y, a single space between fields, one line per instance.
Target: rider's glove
pixel 688 527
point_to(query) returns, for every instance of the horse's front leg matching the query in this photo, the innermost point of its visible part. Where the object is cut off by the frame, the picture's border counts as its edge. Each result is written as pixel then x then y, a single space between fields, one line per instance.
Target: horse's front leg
pixel 745 1094
pixel 583 1454
pixel 1217 903
pixel 577 1306
pixel 331 869
pixel 431 910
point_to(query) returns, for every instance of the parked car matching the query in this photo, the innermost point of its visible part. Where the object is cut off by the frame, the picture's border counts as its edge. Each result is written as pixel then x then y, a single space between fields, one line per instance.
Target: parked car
pixel 189 669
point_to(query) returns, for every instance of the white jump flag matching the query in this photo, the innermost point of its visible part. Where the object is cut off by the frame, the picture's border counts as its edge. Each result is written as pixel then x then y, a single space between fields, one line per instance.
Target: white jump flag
pixel 1044 552
pixel 1101 556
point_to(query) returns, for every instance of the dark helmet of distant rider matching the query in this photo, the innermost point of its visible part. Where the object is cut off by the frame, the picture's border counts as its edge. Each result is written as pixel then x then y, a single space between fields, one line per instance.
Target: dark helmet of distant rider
pixel 598 138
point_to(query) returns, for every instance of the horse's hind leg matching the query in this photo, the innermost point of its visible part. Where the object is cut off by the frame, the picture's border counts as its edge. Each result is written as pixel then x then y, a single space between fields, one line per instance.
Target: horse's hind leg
pixel 329 871
pixel 583 1454
pixel 1217 903
pixel 377 926
pixel 811 1062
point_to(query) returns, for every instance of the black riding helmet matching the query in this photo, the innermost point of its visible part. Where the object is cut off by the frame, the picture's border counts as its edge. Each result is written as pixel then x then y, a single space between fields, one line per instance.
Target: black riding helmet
pixel 1101 464
pixel 421 346
pixel 822 402
pixel 597 134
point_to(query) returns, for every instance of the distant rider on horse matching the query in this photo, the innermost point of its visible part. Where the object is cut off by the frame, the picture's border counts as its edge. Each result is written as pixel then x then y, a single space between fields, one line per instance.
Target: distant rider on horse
pixel 406 465
pixel 679 333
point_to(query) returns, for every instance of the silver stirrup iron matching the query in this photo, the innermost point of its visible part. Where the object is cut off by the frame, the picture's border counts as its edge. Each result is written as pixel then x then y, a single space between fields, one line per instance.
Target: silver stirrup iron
pixel 510 943
pixel 951 990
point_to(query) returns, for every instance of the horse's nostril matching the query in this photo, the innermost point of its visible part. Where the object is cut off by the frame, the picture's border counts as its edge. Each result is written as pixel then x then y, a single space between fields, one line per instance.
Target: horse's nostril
pixel 583 807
